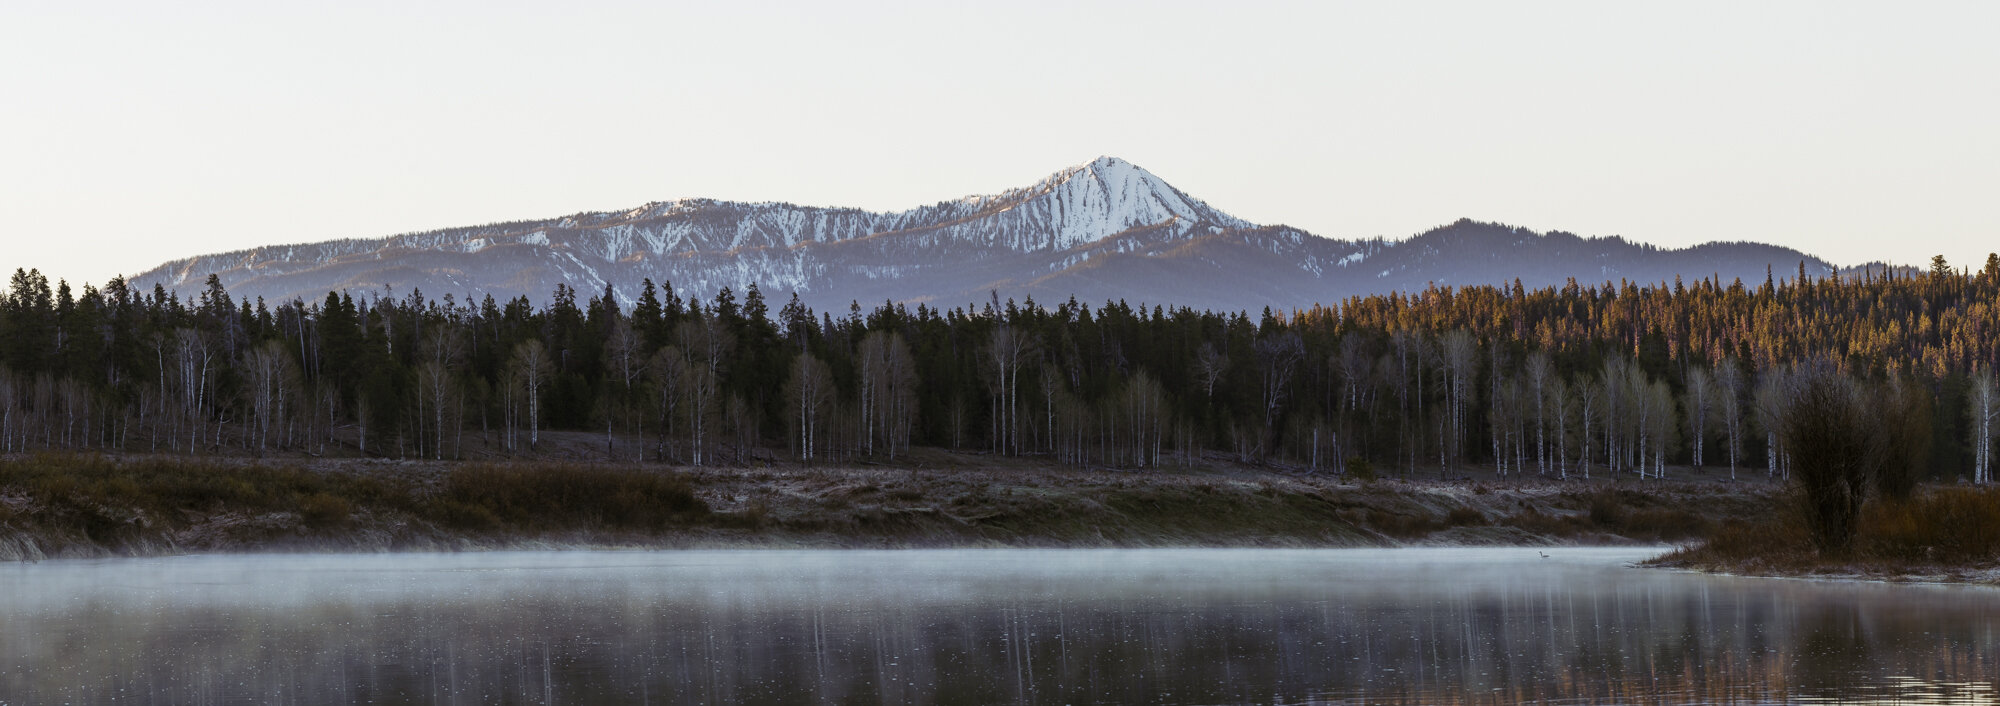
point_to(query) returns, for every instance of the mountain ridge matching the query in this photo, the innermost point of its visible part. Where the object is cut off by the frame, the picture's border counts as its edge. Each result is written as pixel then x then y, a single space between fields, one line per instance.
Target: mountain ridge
pixel 1102 230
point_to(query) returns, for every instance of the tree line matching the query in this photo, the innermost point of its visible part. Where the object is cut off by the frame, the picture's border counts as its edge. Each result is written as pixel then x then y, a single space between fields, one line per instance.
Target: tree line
pixel 1577 380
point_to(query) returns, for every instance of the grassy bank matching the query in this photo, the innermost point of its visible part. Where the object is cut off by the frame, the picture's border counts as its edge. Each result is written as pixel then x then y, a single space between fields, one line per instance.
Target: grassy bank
pixel 77 506
pixel 1943 533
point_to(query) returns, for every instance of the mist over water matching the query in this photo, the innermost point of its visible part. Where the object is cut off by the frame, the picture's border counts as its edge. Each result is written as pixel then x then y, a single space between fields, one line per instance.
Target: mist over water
pixel 975 626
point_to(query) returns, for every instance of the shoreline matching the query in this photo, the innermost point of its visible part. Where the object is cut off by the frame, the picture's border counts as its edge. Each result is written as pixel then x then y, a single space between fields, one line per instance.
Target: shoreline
pixel 95 506
pixel 1987 575
pixel 1938 534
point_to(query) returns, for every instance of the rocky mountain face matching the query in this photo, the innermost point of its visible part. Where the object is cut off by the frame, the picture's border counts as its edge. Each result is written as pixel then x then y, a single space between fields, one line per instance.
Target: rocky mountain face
pixel 1098 231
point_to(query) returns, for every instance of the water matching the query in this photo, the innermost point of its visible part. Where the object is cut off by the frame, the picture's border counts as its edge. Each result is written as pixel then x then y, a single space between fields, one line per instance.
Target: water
pixel 979 626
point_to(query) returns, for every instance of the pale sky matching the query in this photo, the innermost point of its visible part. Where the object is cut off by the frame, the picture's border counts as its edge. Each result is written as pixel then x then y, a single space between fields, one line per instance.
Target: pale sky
pixel 132 133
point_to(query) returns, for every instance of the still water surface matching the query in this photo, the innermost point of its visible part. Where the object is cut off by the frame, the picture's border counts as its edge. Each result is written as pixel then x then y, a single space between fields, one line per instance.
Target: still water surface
pixel 976 626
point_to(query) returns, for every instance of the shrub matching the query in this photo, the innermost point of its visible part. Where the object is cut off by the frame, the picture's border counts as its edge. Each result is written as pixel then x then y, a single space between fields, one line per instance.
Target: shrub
pixel 322 510
pixel 465 516
pixel 1836 452
pixel 1665 525
pixel 1946 525
pixel 1738 540
pixel 1400 524
pixel 566 496
pixel 1903 415
pixel 166 489
pixel 1464 517
pixel 1606 511
pixel 1535 522
pixel 1361 469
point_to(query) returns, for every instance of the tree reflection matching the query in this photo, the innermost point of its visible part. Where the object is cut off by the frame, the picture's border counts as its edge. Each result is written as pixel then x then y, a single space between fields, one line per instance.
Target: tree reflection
pixel 996 628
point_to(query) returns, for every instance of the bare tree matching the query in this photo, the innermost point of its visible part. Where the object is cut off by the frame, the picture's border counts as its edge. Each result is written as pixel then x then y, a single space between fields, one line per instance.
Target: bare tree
pixel 1538 370
pixel 1401 370
pixel 326 410
pixel 511 392
pixel 1352 362
pixel 1144 403
pixel 1501 409
pixel 1052 384
pixel 1561 406
pixel 809 393
pixel 623 354
pixel 1700 396
pixel 532 366
pixel 1503 418
pixel 1006 351
pixel 1661 400
pixel 1356 370
pixel 665 374
pixel 1278 357
pixel 1612 388
pixel 269 379
pixel 705 346
pixel 9 411
pixel 42 408
pixel 1209 366
pixel 1458 355
pixel 75 401
pixel 433 392
pixel 625 365
pixel 897 393
pixel 443 346
pixel 1983 407
pixel 1590 398
pixel 883 360
pixel 1728 392
pixel 1773 402
pixel 740 421
pixel 1644 417
pixel 193 378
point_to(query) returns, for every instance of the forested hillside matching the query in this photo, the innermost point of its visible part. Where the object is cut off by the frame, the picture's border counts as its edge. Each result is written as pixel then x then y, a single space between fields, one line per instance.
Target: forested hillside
pixel 1585 379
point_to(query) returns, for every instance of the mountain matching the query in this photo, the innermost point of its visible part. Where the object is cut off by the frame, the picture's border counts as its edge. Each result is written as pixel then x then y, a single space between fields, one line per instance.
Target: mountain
pixel 1099 231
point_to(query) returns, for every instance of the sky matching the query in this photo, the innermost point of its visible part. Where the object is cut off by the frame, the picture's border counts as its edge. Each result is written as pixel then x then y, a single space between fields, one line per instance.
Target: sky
pixel 132 133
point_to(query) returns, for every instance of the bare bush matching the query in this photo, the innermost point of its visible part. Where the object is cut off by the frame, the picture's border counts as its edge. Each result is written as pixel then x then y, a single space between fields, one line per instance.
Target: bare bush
pixel 1837 452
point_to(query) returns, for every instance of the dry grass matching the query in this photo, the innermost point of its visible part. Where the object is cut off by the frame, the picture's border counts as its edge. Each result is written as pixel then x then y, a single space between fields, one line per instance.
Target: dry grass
pixel 563 496
pixel 89 505
pixel 1944 526
pixel 1936 531
pixel 113 503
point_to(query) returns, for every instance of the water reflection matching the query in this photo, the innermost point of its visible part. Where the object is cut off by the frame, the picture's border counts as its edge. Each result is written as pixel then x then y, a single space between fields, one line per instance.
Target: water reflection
pixel 1055 627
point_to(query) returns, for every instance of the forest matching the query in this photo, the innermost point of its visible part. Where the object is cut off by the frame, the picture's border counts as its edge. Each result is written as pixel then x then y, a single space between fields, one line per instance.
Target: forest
pixel 1582 380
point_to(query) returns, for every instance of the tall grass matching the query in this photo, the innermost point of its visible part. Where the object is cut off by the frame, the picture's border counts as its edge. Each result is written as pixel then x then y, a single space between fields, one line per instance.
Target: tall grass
pixel 1941 527
pixel 565 496
pixel 114 503
pixel 1949 525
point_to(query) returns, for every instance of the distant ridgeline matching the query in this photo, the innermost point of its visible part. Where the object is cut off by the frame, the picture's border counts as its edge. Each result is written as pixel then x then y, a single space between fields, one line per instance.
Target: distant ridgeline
pixel 1099 231
pixel 1572 380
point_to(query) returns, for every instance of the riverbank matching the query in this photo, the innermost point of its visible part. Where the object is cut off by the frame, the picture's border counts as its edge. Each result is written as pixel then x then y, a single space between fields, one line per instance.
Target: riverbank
pixel 54 506
pixel 1941 534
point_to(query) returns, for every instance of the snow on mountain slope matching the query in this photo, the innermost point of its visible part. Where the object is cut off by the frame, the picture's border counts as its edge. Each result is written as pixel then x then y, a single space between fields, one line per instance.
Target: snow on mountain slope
pixel 1100 230
pixel 1079 205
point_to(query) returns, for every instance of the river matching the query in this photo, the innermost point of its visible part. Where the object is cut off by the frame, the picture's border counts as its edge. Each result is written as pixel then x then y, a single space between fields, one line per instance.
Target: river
pixel 1174 626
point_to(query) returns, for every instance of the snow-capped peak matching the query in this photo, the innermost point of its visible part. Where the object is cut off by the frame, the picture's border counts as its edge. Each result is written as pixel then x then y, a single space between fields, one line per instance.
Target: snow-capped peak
pixel 1098 199
pixel 1080 206
pixel 1127 189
